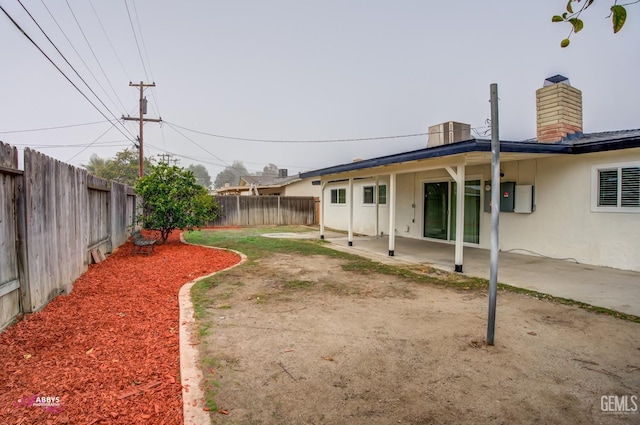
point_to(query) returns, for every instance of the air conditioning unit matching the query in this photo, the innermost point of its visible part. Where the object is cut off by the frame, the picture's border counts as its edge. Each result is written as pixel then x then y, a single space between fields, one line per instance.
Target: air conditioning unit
pixel 448 132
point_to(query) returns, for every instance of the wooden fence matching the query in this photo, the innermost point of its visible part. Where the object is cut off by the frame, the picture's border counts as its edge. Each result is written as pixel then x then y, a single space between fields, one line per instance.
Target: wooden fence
pixel 261 210
pixel 10 179
pixel 53 216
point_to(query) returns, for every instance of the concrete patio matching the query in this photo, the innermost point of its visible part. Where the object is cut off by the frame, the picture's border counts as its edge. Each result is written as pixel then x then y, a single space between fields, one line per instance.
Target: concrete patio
pixel 599 286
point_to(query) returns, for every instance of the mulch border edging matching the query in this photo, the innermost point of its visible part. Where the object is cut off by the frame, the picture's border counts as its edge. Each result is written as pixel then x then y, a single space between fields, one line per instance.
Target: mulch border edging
pixel 191 375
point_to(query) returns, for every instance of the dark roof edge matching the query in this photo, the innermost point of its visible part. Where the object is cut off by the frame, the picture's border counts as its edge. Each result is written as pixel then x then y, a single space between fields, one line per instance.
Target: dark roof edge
pixel 607 145
pixel 473 145
pixel 483 145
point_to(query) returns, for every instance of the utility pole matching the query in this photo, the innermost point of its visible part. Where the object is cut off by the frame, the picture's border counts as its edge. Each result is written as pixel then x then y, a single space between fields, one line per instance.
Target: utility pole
pixel 164 158
pixel 142 111
pixel 167 158
pixel 495 213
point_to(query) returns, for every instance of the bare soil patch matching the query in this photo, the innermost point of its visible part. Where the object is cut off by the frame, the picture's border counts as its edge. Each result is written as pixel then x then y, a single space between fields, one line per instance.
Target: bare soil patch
pixel 296 339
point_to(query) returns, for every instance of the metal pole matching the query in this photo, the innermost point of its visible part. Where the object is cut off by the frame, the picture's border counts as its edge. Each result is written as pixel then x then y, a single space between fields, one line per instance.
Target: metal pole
pixel 495 213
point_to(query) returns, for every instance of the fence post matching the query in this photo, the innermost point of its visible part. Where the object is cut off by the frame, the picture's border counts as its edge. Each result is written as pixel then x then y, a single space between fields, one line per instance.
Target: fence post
pixel 22 249
pixel 238 212
pixel 279 219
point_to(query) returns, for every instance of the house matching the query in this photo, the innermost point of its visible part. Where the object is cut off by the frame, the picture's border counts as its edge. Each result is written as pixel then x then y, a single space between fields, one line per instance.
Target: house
pixel 564 194
pixel 280 185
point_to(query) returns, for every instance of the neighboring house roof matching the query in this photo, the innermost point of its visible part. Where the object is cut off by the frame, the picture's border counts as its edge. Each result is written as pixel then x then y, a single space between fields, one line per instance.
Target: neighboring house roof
pixel 260 182
pixel 575 144
pixel 268 180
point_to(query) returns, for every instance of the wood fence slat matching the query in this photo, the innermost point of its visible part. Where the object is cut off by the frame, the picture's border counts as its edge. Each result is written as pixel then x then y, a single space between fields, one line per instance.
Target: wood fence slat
pixel 265 210
pixel 55 213
pixel 9 272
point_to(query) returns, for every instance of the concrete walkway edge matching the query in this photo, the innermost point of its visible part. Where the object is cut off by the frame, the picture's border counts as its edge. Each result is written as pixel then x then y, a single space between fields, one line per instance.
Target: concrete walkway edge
pixel 190 372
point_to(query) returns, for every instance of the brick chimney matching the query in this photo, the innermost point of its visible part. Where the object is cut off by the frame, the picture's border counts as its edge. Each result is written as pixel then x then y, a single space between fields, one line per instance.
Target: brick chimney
pixel 559 110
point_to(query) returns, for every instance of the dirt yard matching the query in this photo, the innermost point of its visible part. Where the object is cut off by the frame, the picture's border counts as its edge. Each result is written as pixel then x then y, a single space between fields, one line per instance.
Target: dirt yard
pixel 297 340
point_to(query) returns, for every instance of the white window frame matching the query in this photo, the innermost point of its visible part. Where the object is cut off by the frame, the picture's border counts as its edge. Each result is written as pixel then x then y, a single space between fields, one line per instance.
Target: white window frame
pixel 337 189
pixel 595 187
pixel 373 194
pixel 376 195
pixel 386 194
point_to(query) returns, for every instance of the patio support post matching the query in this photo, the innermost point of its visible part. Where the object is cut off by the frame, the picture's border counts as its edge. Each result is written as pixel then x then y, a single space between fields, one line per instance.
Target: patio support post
pixel 376 193
pixel 459 177
pixel 350 238
pixel 323 185
pixel 392 214
pixel 460 219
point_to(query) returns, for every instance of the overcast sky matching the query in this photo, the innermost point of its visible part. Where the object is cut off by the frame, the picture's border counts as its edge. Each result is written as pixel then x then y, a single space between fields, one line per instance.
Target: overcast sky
pixel 301 70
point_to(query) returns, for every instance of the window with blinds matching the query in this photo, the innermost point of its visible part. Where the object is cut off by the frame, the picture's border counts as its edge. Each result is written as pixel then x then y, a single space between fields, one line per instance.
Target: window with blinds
pixel 618 188
pixel 608 188
pixel 630 187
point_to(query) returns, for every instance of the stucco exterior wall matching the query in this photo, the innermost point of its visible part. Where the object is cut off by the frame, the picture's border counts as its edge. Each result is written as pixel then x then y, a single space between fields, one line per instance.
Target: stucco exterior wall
pixel 563 224
pixel 364 215
pixel 301 188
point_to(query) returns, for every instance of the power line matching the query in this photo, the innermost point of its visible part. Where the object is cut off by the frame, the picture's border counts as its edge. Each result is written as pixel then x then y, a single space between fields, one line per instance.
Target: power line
pixel 90 144
pixel 136 39
pixel 75 50
pixel 94 55
pixel 53 128
pixel 115 52
pixel 200 160
pixel 362 139
pixel 61 71
pixel 224 163
pixel 195 143
pixel 146 55
pixel 106 144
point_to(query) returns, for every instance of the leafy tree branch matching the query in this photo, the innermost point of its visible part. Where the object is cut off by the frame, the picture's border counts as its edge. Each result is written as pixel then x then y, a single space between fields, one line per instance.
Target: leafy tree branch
pixel 574 8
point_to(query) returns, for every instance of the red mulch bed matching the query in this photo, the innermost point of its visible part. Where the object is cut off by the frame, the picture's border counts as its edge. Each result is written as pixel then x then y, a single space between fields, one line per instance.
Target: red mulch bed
pixel 110 349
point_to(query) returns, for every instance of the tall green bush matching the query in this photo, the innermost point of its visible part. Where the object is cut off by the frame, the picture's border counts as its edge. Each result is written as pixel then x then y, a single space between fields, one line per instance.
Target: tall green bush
pixel 172 199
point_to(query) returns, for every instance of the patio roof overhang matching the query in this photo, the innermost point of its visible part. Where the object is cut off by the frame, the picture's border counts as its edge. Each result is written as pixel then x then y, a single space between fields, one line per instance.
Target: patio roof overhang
pixel 470 152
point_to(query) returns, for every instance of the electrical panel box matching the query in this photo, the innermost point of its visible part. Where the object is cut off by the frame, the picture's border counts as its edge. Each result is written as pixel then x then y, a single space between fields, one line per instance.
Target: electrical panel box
pixel 507 196
pixel 525 199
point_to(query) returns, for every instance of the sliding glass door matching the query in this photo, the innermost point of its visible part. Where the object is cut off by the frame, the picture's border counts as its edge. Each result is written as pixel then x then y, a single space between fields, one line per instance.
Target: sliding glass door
pixel 471 211
pixel 436 209
pixel 440 199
